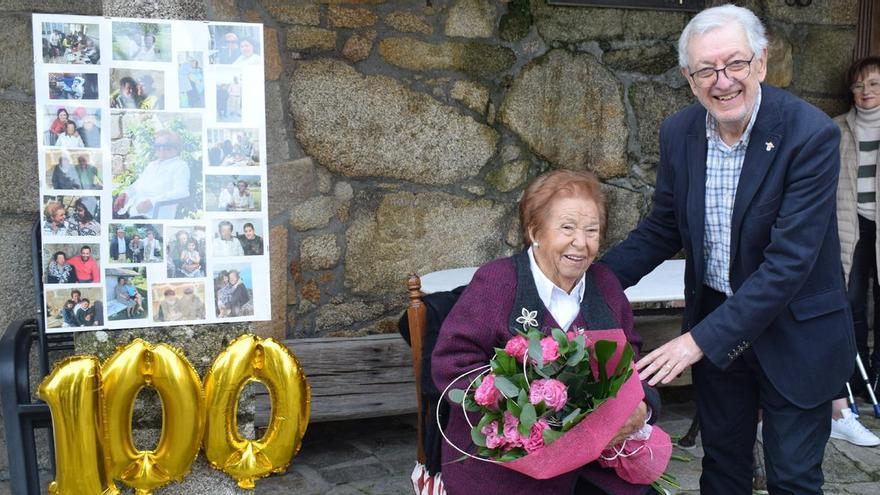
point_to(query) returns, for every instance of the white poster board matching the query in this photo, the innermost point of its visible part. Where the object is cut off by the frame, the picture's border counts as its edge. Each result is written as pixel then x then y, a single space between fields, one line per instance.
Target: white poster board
pixel 152 160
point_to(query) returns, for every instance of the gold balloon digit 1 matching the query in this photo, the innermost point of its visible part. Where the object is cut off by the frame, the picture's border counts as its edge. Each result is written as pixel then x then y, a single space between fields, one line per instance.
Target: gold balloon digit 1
pixel 72 392
pixel 246 359
pixel 125 373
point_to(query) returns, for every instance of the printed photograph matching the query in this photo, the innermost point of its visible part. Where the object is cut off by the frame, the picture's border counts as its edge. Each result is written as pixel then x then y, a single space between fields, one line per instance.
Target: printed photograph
pixel 70 215
pixel 232 193
pixel 191 79
pixel 228 95
pixel 127 296
pixel 179 301
pixel 74 307
pixel 74 169
pixel 158 174
pixel 72 127
pixel 233 147
pixel 185 252
pixel 233 290
pixel 137 89
pixel 142 41
pixel 237 237
pixel 73 86
pixel 70 43
pixel 235 45
pixel 135 243
pixel 71 263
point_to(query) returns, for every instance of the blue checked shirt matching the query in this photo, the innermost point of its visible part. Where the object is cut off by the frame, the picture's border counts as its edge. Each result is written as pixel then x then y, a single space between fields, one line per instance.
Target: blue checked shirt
pixel 723 166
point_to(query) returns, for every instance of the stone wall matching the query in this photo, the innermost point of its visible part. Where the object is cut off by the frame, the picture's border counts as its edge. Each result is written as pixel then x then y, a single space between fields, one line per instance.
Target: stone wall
pixel 401 134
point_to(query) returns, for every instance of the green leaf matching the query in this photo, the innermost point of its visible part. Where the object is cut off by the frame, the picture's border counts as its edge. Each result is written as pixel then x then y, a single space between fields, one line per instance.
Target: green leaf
pixel 478 438
pixel 604 350
pixel 512 455
pixel 579 353
pixel 551 436
pixel 486 419
pixel 560 338
pixel 535 351
pixel 626 358
pixel 506 387
pixel 528 416
pixel 513 407
pixel 456 395
pixel 542 372
pixel 570 417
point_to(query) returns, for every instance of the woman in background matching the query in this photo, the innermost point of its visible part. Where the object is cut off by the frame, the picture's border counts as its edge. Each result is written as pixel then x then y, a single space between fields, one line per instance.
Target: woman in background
pixel 857 211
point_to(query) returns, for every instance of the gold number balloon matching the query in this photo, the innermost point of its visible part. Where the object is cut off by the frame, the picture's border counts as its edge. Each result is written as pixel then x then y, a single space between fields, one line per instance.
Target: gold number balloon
pixel 246 359
pixel 72 393
pixel 125 373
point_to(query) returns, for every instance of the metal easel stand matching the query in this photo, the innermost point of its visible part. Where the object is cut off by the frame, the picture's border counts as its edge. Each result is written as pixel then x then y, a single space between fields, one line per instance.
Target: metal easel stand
pixel 22 416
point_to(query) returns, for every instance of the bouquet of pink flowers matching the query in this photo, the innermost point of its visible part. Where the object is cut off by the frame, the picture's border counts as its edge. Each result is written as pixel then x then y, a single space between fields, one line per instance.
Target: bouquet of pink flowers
pixel 551 404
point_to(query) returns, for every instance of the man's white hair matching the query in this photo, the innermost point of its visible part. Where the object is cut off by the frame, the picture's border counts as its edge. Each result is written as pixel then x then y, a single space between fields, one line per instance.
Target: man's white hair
pixel 721 16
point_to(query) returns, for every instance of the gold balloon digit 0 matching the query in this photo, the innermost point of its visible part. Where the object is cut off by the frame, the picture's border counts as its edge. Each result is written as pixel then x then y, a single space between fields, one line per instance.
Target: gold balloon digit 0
pixel 246 359
pixel 72 392
pixel 125 373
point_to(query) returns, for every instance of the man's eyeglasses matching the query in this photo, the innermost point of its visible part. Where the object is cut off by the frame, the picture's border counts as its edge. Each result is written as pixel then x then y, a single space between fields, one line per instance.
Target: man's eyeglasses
pixel 166 146
pixel 859 88
pixel 735 71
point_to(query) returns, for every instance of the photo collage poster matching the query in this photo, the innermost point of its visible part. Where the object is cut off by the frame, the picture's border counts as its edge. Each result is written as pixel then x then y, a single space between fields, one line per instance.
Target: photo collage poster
pixel 152 162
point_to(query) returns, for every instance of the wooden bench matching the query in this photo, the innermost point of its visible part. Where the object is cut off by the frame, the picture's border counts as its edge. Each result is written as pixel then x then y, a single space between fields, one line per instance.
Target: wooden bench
pixel 353 378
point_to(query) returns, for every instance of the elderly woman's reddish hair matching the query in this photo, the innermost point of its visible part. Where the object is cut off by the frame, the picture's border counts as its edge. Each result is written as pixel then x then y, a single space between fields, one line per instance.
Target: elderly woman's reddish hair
pixel 537 200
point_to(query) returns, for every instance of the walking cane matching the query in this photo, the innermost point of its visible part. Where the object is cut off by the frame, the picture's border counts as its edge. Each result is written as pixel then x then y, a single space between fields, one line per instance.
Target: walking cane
pixel 868 385
pixel 852 401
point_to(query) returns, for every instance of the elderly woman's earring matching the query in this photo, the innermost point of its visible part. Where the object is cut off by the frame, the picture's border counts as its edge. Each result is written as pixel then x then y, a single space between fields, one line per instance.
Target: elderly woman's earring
pixel 536 244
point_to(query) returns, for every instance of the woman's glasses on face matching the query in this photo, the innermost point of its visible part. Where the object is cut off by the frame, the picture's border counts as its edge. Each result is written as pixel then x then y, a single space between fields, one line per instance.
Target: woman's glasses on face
pixel 861 87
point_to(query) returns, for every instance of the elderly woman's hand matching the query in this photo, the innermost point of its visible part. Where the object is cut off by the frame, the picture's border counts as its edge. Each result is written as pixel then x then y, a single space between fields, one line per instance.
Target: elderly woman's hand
pixel 633 424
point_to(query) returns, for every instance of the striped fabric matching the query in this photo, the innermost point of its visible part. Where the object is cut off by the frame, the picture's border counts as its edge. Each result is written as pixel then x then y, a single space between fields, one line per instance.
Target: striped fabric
pixel 869 143
pixel 723 166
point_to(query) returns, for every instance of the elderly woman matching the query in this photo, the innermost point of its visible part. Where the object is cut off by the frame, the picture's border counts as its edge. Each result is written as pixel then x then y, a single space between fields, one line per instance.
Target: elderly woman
pixel 562 214
pixel 857 211
pixel 56 223
pixel 59 270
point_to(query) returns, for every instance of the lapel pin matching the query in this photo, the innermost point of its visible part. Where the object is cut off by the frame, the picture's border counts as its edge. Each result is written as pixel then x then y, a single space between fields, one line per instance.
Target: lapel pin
pixel 769 145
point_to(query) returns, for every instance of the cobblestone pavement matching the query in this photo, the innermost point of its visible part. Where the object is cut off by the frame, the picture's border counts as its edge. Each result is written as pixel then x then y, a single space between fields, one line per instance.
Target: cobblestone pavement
pixel 376 456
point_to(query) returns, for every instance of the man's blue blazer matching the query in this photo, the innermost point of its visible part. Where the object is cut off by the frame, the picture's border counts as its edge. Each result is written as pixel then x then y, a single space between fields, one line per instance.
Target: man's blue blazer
pixel 789 302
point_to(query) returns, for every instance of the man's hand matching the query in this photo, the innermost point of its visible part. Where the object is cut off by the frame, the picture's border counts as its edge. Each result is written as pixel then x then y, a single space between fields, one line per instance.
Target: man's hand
pixel 633 424
pixel 669 360
pixel 144 206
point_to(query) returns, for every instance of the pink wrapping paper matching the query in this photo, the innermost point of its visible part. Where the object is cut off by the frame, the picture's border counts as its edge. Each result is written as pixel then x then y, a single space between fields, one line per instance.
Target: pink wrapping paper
pixel 586 441
pixel 648 461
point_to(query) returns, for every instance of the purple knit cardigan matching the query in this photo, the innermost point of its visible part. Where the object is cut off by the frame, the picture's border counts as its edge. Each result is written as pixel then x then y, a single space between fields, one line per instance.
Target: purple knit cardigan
pixel 475 326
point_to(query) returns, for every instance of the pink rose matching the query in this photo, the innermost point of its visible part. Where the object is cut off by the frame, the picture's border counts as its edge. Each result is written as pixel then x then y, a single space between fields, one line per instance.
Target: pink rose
pixel 487 395
pixel 552 392
pixel 535 440
pixel 549 349
pixel 517 347
pixel 493 439
pixel 511 432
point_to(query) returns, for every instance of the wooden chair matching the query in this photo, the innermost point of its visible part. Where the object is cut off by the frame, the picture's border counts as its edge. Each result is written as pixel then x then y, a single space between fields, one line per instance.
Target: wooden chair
pixel 417 318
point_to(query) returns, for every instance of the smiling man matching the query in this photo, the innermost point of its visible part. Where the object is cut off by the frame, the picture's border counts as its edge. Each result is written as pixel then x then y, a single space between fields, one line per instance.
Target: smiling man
pixel 746 187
